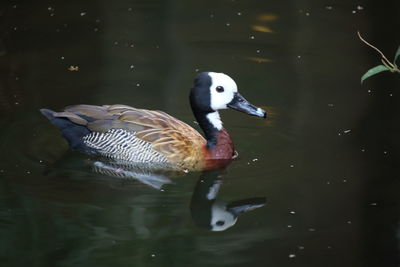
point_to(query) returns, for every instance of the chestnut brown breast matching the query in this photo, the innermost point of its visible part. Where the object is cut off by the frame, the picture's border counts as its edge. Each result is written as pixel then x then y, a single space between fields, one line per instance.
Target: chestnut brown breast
pixel 222 154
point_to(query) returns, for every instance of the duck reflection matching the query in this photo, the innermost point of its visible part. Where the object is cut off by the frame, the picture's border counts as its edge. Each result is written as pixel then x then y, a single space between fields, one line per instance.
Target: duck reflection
pixel 207 210
pixel 154 175
pixel 215 214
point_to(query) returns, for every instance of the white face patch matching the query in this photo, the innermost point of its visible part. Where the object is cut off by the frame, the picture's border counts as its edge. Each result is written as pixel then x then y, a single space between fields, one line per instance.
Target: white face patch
pixel 221 219
pixel 215 120
pixel 220 98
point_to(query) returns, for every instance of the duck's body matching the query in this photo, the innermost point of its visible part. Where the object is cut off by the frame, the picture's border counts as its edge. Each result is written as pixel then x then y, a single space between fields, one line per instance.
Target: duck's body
pixel 136 135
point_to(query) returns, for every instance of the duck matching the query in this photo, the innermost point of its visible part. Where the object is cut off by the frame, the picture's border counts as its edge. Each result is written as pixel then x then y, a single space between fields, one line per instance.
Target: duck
pixel 124 133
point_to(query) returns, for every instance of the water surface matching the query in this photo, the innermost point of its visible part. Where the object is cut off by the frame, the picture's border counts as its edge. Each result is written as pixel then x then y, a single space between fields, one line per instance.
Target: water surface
pixel 326 160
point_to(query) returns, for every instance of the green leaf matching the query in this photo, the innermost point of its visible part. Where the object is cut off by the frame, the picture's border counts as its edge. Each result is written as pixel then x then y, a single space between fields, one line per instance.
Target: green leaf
pixel 373 71
pixel 397 54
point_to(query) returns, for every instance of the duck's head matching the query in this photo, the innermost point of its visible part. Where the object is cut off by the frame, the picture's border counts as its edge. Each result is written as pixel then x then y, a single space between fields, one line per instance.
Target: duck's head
pixel 213 91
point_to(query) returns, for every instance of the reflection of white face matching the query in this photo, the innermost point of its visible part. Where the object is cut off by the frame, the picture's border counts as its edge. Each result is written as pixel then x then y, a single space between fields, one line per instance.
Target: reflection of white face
pixel 222 90
pixel 221 219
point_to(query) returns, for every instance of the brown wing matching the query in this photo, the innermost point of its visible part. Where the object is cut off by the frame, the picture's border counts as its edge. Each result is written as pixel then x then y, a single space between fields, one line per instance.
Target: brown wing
pixel 173 138
pixel 179 142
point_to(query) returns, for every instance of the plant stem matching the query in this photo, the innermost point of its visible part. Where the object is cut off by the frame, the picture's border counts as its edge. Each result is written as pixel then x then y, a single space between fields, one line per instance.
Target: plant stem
pixel 385 61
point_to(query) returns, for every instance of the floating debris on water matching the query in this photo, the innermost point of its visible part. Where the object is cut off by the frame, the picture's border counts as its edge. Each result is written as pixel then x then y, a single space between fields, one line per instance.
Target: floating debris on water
pixel 292 255
pixel 292 212
pixel 344 132
pixel 73 68
pixel 267 17
pixel 83 14
pixel 259 59
pixel 261 28
pixel 328 7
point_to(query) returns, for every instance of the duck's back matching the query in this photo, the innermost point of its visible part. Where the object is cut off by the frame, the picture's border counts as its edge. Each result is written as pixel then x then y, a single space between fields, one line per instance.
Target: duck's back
pixel 129 134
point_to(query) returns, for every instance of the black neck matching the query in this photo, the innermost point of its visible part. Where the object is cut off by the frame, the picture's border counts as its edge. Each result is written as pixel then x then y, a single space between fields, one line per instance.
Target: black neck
pixel 208 128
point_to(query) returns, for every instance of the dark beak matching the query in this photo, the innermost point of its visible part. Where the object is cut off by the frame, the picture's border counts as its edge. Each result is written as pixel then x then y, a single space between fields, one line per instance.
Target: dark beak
pixel 241 104
pixel 245 205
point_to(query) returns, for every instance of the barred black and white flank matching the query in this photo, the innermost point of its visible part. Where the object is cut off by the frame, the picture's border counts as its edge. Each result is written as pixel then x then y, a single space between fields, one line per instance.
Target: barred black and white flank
pixel 123 145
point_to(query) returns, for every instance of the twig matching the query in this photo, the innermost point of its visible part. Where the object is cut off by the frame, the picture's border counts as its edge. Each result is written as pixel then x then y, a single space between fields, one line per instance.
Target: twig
pixel 385 61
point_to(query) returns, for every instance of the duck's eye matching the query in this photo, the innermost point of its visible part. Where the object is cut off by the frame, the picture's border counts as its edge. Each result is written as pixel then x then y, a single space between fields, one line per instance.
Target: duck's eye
pixel 220 223
pixel 219 89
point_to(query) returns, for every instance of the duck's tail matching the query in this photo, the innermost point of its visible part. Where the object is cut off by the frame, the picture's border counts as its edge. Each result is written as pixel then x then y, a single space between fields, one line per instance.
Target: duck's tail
pixel 71 131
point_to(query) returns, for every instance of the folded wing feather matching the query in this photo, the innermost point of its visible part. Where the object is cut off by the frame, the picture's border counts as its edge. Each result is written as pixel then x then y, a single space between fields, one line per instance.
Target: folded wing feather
pixel 173 138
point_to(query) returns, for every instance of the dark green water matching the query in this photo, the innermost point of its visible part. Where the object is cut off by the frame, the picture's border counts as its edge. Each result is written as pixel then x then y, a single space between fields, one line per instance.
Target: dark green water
pixel 326 160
